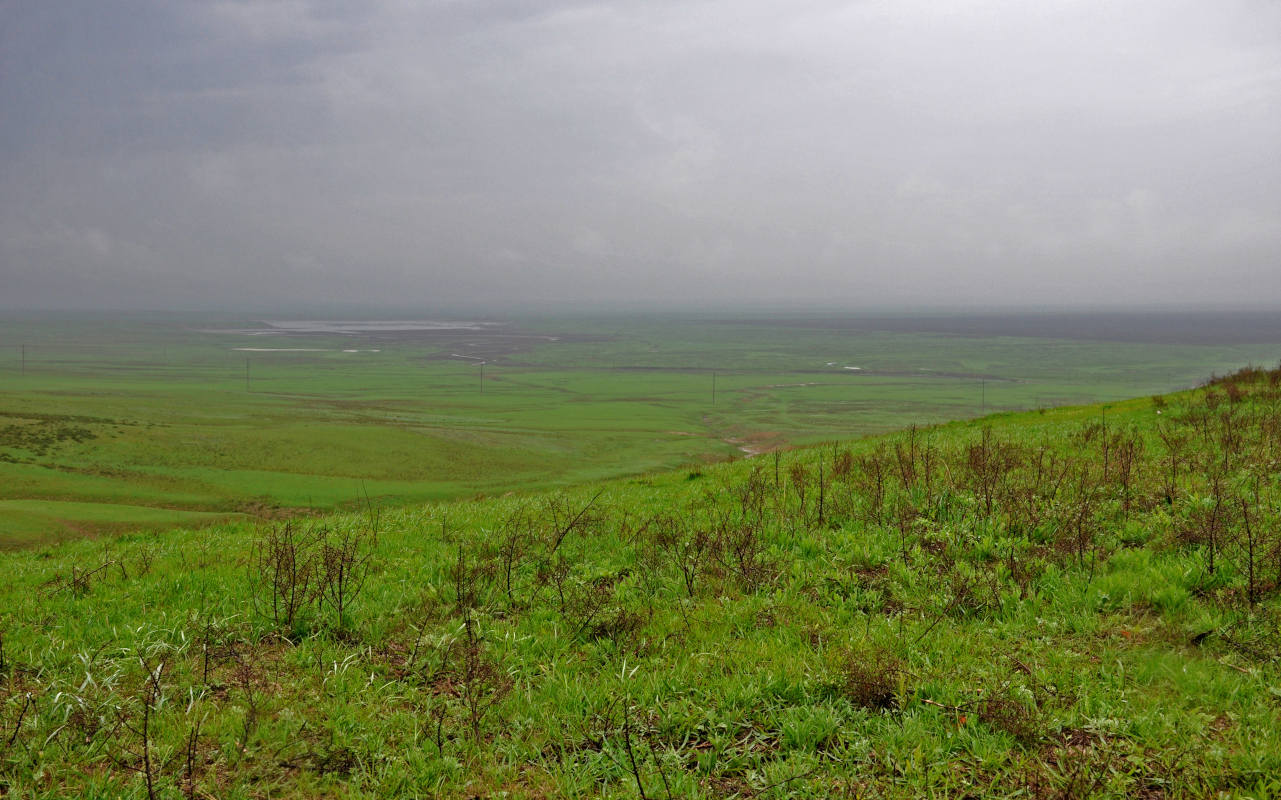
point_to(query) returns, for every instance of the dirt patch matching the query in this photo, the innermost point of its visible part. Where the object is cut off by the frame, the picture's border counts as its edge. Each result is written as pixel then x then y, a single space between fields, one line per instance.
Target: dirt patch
pixel 753 444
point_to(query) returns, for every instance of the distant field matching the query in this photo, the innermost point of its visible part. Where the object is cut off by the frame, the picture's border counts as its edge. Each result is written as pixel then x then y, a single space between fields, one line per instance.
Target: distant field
pixel 116 422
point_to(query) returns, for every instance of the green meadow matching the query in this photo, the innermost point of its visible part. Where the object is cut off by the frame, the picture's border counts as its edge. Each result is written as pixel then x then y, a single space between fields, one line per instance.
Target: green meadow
pixel 1069 603
pixel 110 423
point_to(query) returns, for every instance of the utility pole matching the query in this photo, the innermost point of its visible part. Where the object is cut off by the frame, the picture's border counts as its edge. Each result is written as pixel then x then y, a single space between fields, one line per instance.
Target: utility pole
pixel 482 377
pixel 246 373
pixel 24 360
pixel 713 387
pixel 983 398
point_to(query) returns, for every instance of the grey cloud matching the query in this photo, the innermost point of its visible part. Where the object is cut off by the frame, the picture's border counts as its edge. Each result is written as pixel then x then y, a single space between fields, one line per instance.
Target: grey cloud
pixel 709 153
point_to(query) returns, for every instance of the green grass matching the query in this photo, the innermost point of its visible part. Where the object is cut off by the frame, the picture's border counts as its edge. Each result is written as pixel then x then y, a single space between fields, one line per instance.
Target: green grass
pixel 29 521
pixel 976 626
pixel 154 411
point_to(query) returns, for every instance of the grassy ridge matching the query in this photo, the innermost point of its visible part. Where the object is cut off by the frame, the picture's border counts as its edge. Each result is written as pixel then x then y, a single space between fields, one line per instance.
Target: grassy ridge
pixel 156 412
pixel 1075 603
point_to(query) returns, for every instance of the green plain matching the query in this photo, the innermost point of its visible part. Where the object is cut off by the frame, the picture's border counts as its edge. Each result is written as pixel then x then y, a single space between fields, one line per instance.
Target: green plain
pixel 103 416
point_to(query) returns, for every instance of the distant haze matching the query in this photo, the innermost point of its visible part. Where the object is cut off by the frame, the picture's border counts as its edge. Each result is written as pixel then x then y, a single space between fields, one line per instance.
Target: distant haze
pixel 640 153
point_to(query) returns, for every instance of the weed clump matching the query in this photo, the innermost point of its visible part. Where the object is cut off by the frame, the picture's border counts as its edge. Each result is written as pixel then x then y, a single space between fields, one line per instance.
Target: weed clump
pixel 1006 712
pixel 284 575
pixel 873 681
pixel 294 570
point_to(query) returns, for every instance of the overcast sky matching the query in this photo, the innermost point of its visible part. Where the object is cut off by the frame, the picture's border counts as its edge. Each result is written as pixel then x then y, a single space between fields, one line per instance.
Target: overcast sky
pixel 271 153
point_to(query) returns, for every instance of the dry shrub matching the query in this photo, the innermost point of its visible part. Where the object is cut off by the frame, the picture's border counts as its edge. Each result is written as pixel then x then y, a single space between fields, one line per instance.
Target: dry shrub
pixel 284 572
pixel 1007 713
pixel 872 680
pixel 345 560
pixel 842 464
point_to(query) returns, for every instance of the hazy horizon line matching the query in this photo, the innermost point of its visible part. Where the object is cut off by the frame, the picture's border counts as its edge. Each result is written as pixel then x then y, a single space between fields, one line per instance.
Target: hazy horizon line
pixel 333 311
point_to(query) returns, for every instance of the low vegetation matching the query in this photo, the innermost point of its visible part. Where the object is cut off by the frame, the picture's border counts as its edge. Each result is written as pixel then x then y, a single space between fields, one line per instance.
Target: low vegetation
pixel 1073 603
pixel 111 424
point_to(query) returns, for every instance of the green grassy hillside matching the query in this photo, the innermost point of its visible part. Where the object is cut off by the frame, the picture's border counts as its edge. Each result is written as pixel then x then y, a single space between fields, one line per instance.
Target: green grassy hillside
pixel 1080 602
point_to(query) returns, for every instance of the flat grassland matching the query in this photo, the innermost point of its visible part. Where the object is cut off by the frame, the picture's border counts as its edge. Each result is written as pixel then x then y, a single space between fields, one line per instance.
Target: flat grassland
pixel 114 423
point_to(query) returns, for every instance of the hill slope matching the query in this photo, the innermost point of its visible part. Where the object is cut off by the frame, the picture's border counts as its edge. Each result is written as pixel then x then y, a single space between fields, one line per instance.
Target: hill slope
pixel 1073 603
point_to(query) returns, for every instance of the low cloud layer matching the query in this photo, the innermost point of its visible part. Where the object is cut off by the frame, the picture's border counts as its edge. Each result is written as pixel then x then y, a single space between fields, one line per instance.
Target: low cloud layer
pixel 265 153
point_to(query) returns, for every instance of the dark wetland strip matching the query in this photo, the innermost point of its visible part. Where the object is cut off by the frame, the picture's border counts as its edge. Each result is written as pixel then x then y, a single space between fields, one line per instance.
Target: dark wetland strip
pixel 1157 327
